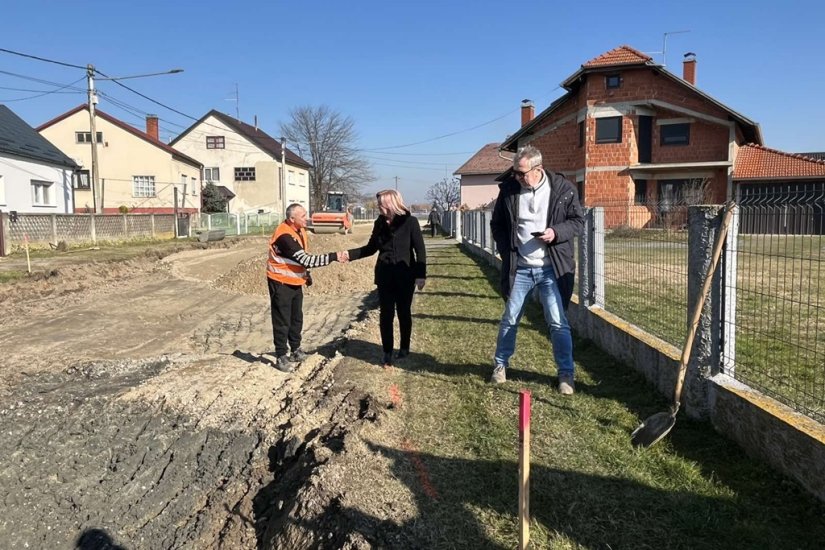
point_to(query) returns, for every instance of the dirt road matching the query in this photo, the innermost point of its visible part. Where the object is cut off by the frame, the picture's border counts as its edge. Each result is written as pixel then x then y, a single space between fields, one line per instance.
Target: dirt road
pixel 135 410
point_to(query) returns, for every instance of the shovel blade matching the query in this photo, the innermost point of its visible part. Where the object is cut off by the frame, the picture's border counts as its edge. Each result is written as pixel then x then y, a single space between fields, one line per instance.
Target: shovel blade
pixel 653 429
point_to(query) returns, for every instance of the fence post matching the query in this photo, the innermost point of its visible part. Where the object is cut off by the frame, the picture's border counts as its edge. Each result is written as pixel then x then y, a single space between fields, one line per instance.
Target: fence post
pixel 729 272
pixel 152 223
pixel 3 237
pixel 125 227
pixel 457 225
pixel 598 256
pixel 586 276
pixel 93 228
pixel 703 225
pixel 238 223
pixel 54 228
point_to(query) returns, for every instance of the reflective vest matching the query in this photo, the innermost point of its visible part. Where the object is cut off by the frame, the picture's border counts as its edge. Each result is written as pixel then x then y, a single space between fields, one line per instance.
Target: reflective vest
pixel 286 270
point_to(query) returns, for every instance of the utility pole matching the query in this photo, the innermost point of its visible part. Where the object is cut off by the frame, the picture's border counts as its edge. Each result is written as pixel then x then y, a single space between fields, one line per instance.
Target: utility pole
pixel 396 183
pixel 93 173
pixel 283 176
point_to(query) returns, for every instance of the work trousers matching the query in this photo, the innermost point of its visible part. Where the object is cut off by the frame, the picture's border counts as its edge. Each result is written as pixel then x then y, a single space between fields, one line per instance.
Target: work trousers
pixel 286 303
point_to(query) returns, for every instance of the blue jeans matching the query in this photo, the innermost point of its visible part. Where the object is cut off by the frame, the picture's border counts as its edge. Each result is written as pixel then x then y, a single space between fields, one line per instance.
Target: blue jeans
pixel 528 278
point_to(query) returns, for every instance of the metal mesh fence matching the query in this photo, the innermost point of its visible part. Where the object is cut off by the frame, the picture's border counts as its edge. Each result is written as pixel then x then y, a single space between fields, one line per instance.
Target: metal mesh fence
pixel 779 289
pixel 645 266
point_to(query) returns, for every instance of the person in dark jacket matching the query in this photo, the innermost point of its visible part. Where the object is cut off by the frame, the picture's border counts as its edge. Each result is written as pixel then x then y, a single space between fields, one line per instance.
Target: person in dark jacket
pixel 535 219
pixel 433 219
pixel 401 267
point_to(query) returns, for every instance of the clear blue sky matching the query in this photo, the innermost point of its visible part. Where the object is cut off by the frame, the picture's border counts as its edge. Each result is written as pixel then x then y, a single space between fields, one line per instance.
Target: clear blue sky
pixel 410 71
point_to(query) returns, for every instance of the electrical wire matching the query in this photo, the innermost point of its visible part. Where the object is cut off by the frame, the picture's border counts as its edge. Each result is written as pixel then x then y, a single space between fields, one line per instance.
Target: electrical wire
pixel 42 59
pixel 45 93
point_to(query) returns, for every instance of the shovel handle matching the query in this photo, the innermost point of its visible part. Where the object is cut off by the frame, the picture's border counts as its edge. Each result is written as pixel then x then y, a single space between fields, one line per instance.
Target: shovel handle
pixel 697 309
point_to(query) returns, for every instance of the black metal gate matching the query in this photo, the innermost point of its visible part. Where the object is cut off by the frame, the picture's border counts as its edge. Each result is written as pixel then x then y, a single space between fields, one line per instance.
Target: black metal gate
pixel 183 224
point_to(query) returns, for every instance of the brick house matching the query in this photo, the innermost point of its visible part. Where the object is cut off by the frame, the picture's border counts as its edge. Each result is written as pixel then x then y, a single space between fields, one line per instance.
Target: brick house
pixel 631 133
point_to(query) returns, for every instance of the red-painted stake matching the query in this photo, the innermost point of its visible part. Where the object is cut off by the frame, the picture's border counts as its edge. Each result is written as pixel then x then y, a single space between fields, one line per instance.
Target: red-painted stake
pixel 524 469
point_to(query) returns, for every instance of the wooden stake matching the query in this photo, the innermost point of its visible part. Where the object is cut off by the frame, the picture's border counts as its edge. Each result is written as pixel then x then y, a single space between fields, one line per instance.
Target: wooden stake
pixel 26 246
pixel 524 469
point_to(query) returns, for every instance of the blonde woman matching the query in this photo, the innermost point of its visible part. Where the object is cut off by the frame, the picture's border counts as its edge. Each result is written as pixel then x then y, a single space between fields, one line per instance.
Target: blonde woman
pixel 401 267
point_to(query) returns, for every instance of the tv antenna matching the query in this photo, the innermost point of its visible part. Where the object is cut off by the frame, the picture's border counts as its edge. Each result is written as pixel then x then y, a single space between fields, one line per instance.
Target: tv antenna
pixel 664 45
pixel 237 100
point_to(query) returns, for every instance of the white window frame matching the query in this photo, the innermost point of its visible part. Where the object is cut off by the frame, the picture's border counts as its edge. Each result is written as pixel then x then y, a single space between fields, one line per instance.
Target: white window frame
pixel 43 193
pixel 143 186
pixel 194 187
pixel 209 174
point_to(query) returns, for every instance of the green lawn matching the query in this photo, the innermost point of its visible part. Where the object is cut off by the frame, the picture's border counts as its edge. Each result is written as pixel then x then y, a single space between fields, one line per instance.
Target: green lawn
pixel 780 318
pixel 590 487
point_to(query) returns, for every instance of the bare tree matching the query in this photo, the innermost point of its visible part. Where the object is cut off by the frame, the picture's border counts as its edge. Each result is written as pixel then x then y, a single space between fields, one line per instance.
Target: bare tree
pixel 329 139
pixel 445 194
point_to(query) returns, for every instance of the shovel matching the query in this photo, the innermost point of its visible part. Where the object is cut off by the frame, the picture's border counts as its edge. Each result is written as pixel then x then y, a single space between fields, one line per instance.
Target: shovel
pixel 659 425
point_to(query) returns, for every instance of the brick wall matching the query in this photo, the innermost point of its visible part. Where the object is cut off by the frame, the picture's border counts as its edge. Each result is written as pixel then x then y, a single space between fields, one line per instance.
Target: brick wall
pixel 560 148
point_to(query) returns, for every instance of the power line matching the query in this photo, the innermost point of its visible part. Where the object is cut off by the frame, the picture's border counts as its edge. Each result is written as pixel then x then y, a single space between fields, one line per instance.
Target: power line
pixel 45 92
pixel 42 59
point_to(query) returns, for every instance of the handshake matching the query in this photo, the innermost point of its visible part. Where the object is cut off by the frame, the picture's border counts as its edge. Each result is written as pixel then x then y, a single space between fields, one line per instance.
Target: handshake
pixel 343 256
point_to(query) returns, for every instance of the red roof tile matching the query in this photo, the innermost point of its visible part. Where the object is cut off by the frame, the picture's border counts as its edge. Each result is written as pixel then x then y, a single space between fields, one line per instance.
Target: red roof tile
pixel 485 161
pixel 757 162
pixel 623 55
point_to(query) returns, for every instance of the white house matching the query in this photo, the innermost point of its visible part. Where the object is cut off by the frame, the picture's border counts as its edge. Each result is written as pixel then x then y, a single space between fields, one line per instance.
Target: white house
pixel 242 160
pixel 35 176
pixel 138 172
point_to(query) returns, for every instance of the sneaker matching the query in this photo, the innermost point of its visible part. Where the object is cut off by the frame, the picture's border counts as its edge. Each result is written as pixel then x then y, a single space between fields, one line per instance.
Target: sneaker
pixel 283 364
pixel 387 360
pixel 402 353
pixel 499 375
pixel 298 355
pixel 566 384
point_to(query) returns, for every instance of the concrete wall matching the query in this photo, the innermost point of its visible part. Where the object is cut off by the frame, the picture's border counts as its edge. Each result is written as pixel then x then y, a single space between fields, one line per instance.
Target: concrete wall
pixel 478 190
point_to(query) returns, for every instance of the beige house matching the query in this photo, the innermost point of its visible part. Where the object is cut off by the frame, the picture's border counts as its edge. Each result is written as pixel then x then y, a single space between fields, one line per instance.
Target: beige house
pixel 137 171
pixel 478 176
pixel 244 161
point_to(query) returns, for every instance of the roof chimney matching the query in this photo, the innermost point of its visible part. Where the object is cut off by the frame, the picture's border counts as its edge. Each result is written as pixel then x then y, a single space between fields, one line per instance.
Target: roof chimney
pixel 152 127
pixel 528 111
pixel 689 68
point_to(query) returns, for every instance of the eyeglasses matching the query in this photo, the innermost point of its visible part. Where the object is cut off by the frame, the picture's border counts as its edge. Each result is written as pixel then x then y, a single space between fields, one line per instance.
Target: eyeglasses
pixel 520 174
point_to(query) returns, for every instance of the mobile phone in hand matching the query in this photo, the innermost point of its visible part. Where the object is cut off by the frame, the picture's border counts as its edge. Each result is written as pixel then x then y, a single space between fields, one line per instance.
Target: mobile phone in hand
pixel 537 233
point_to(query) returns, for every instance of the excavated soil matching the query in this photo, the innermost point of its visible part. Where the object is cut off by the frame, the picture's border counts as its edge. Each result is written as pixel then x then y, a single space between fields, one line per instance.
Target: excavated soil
pixel 138 412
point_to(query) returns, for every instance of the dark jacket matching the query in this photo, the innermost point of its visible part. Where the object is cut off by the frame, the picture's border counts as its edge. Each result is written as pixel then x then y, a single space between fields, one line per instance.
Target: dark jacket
pixel 564 216
pixel 400 248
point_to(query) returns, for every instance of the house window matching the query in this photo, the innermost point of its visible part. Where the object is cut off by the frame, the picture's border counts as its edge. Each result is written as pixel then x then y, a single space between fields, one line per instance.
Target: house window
pixel 86 137
pixel 612 81
pixel 143 186
pixel 580 189
pixel 2 191
pixel 82 180
pixel 215 142
pixel 675 134
pixel 245 173
pixel 290 179
pixel 42 193
pixel 194 187
pixel 640 191
pixel 581 134
pixel 609 130
pixel 212 174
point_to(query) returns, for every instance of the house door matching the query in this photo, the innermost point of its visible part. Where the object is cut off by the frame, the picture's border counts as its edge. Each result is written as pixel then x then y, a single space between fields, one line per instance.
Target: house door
pixel 645 138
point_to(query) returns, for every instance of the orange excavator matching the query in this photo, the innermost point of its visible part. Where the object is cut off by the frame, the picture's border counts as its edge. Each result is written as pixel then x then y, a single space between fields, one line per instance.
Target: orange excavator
pixel 334 217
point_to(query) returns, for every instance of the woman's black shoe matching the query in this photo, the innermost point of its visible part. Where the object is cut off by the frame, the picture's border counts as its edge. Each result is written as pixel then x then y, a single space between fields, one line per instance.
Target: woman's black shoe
pixel 402 353
pixel 387 359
